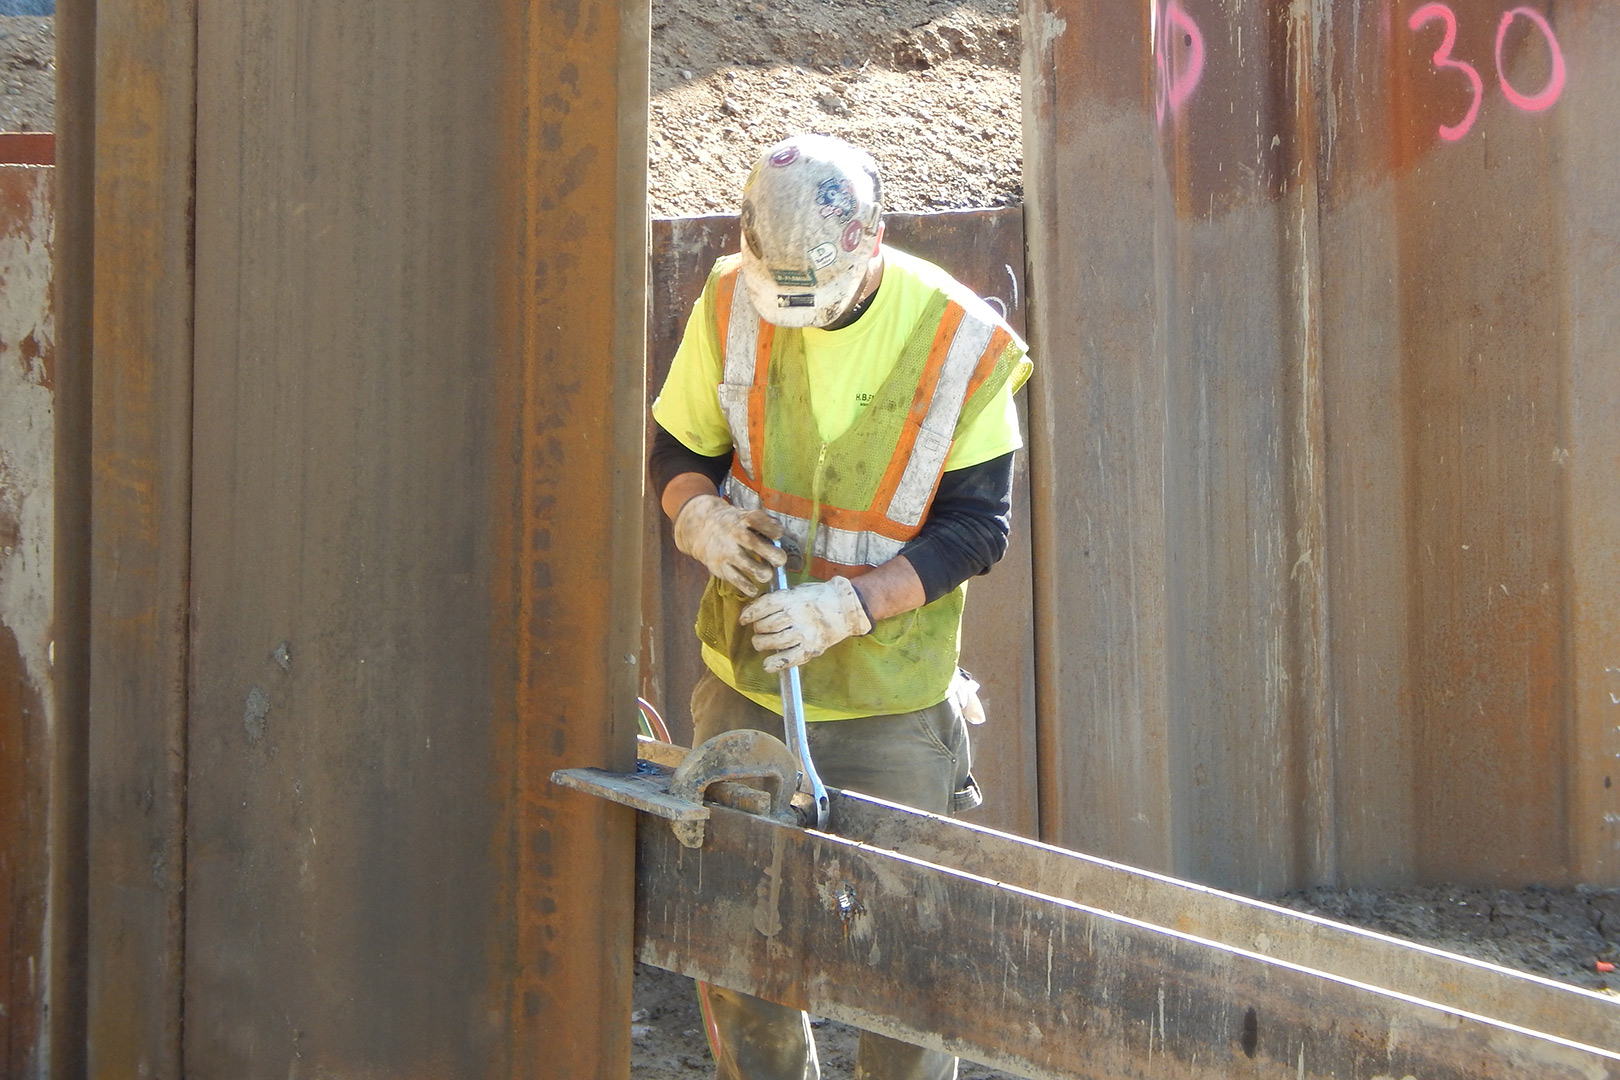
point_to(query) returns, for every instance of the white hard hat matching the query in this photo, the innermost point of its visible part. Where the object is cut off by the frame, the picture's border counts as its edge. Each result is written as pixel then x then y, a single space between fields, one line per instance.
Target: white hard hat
pixel 810 215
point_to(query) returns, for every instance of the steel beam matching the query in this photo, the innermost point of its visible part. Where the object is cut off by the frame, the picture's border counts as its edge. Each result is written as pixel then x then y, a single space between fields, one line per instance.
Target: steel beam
pixel 1050 962
pixel 73 273
pixel 1591 228
pixel 1284 935
pixel 140 368
pixel 27 617
pixel 571 321
pixel 1099 428
pixel 421 259
pixel 1040 985
pixel 1325 556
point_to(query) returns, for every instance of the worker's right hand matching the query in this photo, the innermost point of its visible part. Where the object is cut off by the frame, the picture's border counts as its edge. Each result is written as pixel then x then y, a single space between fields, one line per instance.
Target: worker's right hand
pixel 734 545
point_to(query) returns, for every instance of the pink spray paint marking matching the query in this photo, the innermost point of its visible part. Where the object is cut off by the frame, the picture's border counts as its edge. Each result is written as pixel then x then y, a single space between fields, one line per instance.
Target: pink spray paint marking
pixel 1185 81
pixel 1555 81
pixel 1443 59
pixel 1176 85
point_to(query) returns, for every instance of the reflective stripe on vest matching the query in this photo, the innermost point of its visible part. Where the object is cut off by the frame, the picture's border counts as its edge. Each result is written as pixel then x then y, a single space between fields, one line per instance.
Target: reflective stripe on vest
pixel 964 353
pixel 969 343
pixel 844 548
pixel 746 340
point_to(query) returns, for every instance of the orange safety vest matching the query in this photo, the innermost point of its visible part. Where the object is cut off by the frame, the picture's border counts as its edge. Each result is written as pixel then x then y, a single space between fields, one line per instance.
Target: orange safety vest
pixel 851 504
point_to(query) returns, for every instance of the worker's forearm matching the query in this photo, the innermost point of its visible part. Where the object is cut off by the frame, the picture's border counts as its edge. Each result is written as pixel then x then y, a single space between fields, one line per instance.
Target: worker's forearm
pixel 890 589
pixel 668 457
pixel 680 490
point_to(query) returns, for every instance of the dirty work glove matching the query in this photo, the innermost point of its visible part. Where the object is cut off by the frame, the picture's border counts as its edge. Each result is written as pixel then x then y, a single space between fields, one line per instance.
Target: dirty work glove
pixel 734 545
pixel 805 621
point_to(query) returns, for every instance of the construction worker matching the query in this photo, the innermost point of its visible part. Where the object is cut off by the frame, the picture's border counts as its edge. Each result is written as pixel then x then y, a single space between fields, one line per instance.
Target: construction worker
pixel 854 402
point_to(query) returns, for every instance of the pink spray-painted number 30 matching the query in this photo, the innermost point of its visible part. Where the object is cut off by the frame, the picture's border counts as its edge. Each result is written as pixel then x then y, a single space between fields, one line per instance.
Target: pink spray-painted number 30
pixel 1555 80
pixel 1536 102
pixel 1443 59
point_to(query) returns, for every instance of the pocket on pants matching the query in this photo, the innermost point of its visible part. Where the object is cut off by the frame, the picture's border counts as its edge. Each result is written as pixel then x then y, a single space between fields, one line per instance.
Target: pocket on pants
pixel 898 757
pixel 945 727
pixel 936 724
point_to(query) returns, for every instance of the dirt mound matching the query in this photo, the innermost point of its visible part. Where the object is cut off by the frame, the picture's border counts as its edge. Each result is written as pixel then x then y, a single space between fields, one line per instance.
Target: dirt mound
pixel 929 87
pixel 696 39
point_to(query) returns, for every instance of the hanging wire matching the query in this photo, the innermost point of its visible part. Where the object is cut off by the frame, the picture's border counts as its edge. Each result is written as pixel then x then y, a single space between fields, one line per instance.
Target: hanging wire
pixel 652 725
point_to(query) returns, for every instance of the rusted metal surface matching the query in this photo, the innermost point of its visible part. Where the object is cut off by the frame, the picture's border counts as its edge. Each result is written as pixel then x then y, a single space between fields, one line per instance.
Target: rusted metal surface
pixel 727 769
pixel 680 254
pixel 1281 934
pixel 1227 919
pixel 1097 427
pixel 72 282
pixel 27 685
pixel 984 250
pixel 27 148
pixel 734 757
pixel 572 320
pixel 633 790
pixel 1230 921
pixel 420 315
pixel 1328 438
pixel 1042 986
pixel 140 492
pixel 1591 228
pixel 1483 426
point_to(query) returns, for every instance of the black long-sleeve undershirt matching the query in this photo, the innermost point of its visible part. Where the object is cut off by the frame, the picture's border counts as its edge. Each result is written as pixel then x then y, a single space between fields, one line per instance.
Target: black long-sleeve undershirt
pixel 964 534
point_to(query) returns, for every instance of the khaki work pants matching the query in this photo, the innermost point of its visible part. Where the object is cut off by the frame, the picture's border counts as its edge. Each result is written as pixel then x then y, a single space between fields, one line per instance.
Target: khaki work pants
pixel 920 759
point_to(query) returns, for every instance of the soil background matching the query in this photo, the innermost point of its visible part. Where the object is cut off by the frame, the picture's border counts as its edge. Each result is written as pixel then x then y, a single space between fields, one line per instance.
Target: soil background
pixel 931 88
pixel 27 72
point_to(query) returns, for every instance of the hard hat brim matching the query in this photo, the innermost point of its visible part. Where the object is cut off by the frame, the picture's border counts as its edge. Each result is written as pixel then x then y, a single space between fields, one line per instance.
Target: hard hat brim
pixel 798 308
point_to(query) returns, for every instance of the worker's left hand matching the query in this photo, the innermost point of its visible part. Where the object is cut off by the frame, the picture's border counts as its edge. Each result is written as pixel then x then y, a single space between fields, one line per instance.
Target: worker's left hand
pixel 805 621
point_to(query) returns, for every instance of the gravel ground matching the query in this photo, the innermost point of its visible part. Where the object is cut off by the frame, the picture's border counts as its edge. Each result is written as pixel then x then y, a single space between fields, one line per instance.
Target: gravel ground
pixel 27 72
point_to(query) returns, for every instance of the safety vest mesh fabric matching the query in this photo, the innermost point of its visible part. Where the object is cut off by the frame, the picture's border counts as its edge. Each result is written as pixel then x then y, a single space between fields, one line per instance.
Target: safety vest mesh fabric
pixel 852 503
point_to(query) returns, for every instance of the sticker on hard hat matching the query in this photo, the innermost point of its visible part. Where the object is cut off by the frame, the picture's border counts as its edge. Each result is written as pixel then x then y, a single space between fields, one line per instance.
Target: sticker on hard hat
pixel 836 197
pixel 785 156
pixel 795 299
pixel 795 278
pixel 822 256
pixel 852 235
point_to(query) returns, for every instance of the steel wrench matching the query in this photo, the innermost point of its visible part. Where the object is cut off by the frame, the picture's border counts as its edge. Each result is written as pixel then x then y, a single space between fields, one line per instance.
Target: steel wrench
pixel 798 738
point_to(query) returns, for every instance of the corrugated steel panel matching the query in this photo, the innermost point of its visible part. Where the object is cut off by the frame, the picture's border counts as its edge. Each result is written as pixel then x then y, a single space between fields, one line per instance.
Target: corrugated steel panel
pixel 420 304
pixel 70 744
pixel 138 376
pixel 1329 437
pixel 27 614
pixel 985 250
